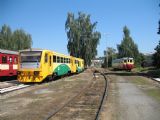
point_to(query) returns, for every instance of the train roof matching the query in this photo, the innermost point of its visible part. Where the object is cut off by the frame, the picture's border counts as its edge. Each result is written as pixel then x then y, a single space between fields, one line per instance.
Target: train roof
pixel 127 58
pixel 8 52
pixel 32 49
pixel 56 53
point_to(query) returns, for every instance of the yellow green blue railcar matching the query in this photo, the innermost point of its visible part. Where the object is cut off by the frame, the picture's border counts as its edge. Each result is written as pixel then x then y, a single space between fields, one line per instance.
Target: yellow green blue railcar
pixel 35 65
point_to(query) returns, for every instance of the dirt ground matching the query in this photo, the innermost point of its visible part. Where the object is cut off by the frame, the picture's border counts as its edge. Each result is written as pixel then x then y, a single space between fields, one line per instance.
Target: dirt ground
pixel 38 101
pixel 131 98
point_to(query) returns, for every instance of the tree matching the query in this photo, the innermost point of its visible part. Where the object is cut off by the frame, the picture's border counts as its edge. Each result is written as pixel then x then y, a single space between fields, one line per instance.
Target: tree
pixel 82 37
pixel 22 40
pixel 109 55
pixel 158 27
pixel 156 56
pixel 15 40
pixel 5 38
pixel 128 48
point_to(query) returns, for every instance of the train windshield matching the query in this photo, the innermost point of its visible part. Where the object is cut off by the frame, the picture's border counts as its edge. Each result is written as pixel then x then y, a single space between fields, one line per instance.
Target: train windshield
pixel 30 56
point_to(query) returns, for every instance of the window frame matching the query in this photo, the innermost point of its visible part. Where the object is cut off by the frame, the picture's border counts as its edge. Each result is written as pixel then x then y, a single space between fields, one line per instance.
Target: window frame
pixel 10 59
pixel 50 60
pixel 4 61
pixel 46 58
pixel 58 59
pixel 62 59
pixel 15 60
pixel 54 58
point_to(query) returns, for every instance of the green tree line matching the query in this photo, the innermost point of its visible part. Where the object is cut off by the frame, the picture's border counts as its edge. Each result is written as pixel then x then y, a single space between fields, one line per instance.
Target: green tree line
pixel 109 55
pixel 156 55
pixel 82 36
pixel 14 40
pixel 127 48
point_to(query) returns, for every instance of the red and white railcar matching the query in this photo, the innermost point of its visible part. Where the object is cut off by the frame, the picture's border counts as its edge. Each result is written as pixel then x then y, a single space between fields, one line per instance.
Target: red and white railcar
pixel 8 63
pixel 125 63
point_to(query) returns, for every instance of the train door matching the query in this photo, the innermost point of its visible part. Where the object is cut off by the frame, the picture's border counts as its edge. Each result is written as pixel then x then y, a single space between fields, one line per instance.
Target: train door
pixel 4 65
pixel 15 64
pixel 73 65
pixel 10 63
pixel 50 63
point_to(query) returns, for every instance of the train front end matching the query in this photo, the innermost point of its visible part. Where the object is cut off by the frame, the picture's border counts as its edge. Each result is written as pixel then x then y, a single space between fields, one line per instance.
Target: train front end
pixel 128 63
pixel 30 69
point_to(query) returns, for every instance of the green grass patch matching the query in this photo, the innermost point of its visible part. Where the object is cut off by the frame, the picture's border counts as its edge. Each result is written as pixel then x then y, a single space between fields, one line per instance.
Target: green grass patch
pixel 155 93
pixel 148 87
pixel 150 71
pixel 145 69
pixel 140 81
pixel 154 73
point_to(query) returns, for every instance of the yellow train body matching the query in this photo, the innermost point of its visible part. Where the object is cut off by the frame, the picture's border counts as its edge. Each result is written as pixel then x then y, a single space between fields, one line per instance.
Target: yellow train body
pixel 35 65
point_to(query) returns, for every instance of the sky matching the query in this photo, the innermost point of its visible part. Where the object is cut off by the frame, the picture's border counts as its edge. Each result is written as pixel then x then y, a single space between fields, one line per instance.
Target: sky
pixel 45 21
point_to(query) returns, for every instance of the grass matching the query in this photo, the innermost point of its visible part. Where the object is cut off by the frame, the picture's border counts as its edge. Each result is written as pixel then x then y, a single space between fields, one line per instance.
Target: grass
pixel 155 93
pixel 150 71
pixel 140 81
pixel 150 88
pixel 145 69
pixel 154 73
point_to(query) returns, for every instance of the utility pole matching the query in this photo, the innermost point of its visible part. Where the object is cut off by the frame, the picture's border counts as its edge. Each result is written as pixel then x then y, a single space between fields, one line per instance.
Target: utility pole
pixel 106 34
pixel 107 56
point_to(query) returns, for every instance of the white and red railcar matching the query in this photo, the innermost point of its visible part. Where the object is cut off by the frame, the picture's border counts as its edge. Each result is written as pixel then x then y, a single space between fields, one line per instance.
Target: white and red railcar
pixel 8 63
pixel 125 63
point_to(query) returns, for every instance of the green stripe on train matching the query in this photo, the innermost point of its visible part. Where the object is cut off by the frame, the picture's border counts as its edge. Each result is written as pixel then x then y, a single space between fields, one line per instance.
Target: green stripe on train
pixel 79 69
pixel 62 69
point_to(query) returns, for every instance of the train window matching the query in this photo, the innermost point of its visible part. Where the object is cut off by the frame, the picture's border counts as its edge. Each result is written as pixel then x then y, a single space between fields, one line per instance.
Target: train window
pixel 58 59
pixel 67 60
pixel 62 60
pixel 131 61
pixel 128 60
pixel 10 59
pixel 50 60
pixel 15 60
pixel 54 58
pixel 4 59
pixel 46 58
pixel 76 62
pixel 125 61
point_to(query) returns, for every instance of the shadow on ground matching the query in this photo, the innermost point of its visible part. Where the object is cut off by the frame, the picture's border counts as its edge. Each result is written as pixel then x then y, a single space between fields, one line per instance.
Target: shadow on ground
pixel 8 78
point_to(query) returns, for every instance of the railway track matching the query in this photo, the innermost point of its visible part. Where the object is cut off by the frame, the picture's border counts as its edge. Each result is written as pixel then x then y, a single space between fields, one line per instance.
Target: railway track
pixel 12 88
pixel 9 86
pixel 85 105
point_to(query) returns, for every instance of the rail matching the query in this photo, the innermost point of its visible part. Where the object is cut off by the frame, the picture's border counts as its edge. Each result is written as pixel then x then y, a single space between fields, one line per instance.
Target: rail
pixel 80 95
